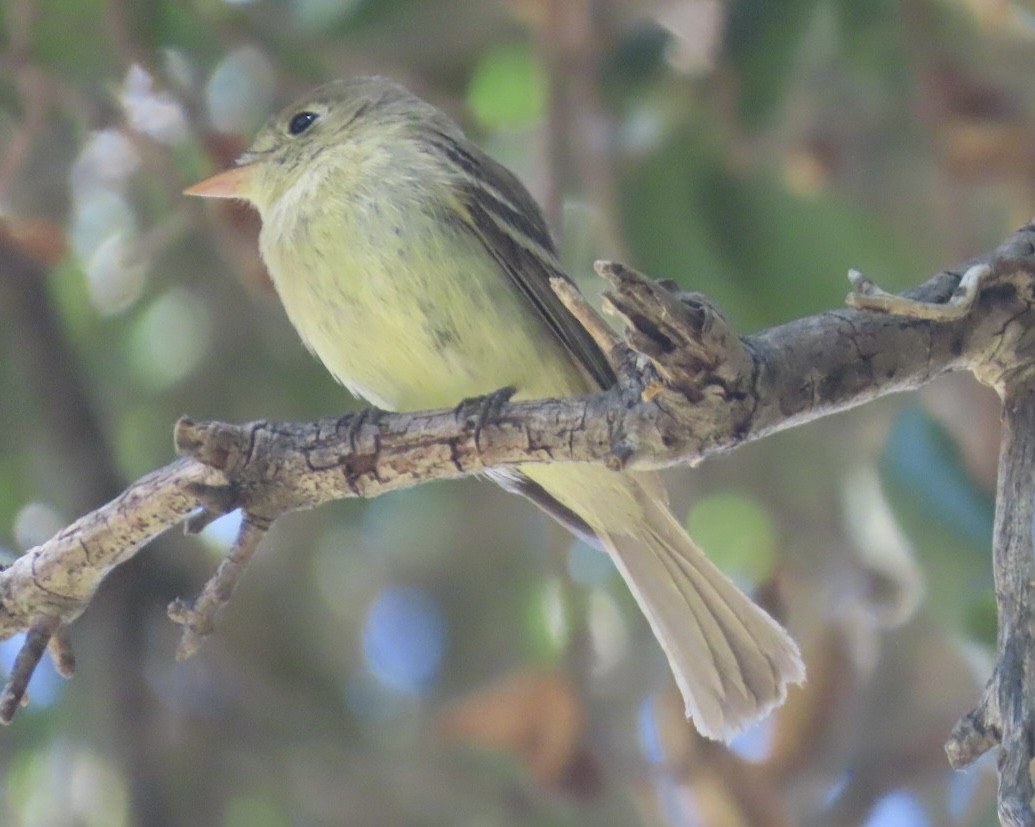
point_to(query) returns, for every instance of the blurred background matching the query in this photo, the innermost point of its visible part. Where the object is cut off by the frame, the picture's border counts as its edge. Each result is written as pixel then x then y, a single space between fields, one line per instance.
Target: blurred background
pixel 446 655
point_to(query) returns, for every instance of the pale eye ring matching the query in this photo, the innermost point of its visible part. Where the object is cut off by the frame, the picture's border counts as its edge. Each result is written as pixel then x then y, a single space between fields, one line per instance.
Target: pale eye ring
pixel 301 122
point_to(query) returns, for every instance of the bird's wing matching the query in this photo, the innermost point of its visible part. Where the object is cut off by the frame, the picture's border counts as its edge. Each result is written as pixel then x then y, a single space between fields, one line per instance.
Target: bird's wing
pixel 506 219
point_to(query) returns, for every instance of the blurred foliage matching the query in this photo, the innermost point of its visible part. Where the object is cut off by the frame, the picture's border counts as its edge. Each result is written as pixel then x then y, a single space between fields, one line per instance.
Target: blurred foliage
pixel 507 89
pixel 741 532
pixel 762 43
pixel 947 519
pixel 447 655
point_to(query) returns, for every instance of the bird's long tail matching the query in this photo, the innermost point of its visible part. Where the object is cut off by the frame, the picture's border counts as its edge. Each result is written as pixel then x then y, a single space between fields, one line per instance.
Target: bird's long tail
pixel 731 660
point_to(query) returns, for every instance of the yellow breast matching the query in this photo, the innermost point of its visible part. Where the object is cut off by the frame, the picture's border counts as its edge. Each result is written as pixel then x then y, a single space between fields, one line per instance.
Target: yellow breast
pixel 407 309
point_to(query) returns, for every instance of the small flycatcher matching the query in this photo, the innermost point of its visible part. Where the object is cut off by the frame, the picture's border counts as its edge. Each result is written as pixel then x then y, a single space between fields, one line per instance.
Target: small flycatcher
pixel 418 270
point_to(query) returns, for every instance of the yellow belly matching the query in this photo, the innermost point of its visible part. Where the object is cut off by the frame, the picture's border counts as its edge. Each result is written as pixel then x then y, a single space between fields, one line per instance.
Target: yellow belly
pixel 420 317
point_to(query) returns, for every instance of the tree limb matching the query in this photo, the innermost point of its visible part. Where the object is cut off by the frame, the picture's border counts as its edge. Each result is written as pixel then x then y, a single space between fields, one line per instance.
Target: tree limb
pixel 1006 713
pixel 689 388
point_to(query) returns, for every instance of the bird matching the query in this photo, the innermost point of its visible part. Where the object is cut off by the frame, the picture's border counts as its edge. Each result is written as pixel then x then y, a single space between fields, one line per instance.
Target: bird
pixel 417 269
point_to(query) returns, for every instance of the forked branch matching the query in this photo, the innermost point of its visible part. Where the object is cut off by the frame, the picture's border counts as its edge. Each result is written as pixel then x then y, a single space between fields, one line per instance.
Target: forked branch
pixel 689 388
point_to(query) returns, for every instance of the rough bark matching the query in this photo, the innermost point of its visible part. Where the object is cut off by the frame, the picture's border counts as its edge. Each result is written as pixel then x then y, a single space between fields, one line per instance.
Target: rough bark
pixel 689 388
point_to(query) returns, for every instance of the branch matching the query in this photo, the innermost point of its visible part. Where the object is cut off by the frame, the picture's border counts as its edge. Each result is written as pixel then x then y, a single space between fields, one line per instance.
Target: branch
pixel 689 388
pixel 1006 712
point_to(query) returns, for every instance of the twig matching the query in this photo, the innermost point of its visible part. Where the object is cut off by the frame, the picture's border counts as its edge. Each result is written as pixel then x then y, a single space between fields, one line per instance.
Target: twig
pixel 607 340
pixel 60 649
pixel 36 641
pixel 686 337
pixel 198 617
pixel 59 577
pixel 866 295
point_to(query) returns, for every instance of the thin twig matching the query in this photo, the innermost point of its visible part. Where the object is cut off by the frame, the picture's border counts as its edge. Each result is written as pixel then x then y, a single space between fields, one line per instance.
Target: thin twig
pixel 36 640
pixel 867 295
pixel 601 332
pixel 198 617
pixel 60 649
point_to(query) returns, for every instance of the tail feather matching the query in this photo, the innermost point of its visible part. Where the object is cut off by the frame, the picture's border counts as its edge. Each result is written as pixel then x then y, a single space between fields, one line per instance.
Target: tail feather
pixel 731 660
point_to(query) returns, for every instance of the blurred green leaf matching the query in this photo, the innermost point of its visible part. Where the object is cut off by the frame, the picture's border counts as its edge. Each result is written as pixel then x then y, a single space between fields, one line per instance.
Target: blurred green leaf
pixel 508 88
pixel 762 41
pixel 142 439
pixel 738 533
pixel 71 38
pixel 873 36
pixel 175 24
pixel 545 623
pixel 664 219
pixel 69 294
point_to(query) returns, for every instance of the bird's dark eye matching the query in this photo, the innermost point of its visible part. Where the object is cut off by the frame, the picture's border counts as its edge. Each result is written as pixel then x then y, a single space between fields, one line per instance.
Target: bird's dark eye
pixel 301 122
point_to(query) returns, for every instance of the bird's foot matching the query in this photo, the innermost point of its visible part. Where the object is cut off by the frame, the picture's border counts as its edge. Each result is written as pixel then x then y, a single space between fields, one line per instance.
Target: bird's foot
pixel 483 410
pixel 354 423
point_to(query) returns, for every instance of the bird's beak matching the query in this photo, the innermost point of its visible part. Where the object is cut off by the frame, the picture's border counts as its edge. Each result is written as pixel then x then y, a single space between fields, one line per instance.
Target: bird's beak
pixel 231 183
